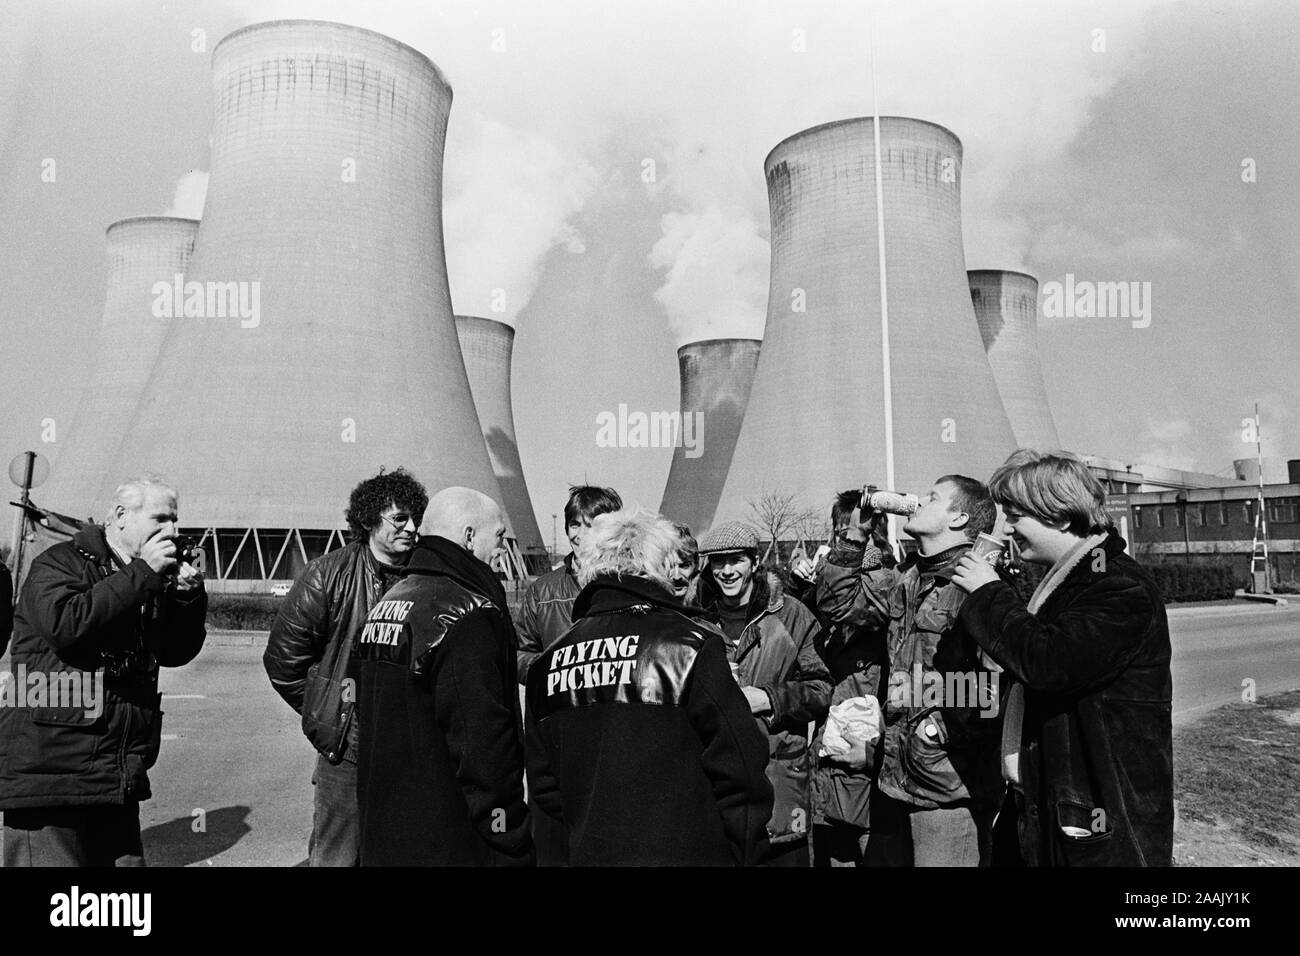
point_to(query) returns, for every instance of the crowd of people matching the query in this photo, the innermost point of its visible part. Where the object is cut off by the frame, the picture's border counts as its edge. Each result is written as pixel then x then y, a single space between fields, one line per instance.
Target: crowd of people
pixel 653 700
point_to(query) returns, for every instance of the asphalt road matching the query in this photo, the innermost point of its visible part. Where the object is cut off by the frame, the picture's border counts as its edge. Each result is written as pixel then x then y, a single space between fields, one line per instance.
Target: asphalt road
pixel 233 784
pixel 1216 649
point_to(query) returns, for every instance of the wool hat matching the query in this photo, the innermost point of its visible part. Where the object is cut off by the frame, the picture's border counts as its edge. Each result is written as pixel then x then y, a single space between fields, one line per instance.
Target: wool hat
pixel 729 536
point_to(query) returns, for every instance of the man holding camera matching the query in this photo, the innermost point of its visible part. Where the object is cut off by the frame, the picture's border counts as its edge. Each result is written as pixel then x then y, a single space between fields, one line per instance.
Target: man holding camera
pixel 98 616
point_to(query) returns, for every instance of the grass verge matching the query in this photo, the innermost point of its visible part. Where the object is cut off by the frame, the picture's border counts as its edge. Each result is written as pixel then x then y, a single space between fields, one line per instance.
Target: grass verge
pixel 1237 783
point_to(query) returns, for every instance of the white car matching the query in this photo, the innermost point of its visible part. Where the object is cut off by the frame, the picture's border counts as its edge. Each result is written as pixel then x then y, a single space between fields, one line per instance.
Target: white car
pixel 281 589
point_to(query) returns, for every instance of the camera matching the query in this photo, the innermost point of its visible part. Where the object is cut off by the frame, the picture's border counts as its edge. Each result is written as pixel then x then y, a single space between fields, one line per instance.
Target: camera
pixel 188 551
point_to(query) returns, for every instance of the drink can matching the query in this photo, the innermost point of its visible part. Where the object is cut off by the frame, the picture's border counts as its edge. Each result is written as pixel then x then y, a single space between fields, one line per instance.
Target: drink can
pixel 893 502
pixel 988 548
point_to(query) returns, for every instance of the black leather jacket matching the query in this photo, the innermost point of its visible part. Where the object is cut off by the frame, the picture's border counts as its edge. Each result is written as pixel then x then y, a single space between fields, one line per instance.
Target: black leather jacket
pixel 82 617
pixel 440 779
pixel 329 601
pixel 545 613
pixel 639 741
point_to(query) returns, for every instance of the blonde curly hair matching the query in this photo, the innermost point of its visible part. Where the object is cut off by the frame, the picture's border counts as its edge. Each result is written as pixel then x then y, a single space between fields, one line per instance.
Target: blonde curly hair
pixel 629 542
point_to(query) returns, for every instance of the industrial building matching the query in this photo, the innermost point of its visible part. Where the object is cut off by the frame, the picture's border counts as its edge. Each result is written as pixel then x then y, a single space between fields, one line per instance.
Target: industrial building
pixel 323 217
pixel 1006 308
pixel 716 378
pixel 488 347
pixel 141 252
pixel 816 421
pixel 1215 525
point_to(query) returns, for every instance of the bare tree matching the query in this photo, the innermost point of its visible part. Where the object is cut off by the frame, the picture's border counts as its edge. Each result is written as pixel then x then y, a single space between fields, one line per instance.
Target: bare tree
pixel 779 517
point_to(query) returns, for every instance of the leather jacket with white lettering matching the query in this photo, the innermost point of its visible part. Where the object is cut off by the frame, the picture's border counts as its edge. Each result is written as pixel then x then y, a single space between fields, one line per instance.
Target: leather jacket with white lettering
pixel 639 741
pixel 440 768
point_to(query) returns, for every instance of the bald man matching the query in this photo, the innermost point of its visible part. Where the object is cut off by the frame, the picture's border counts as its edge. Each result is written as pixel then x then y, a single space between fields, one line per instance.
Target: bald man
pixel 440 762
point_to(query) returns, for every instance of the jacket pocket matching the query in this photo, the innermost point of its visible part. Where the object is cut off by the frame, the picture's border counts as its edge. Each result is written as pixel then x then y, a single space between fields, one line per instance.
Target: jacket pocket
pixel 1081 834
pixel 918 765
pixel 58 740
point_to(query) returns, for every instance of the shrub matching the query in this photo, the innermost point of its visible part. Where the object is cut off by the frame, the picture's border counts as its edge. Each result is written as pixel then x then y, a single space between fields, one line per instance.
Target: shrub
pixel 1193 582
pixel 1177 581
pixel 242 612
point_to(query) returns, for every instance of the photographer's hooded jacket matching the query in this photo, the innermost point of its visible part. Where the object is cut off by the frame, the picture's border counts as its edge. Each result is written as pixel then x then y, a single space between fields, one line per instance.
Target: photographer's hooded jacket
pixel 84 616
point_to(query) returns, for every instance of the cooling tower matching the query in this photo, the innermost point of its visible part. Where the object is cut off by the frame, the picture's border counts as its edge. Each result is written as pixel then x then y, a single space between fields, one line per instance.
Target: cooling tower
pixel 816 417
pixel 1276 471
pixel 323 217
pixel 1006 307
pixel 487 346
pixel 142 251
pixel 716 376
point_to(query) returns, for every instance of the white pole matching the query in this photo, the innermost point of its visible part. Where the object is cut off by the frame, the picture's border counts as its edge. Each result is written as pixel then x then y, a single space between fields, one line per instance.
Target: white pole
pixel 886 383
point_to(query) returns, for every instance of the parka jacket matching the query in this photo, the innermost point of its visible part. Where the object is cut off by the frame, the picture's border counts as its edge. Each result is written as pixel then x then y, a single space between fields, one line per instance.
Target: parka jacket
pixel 83 616
pixel 777 654
pixel 857 656
pixel 942 699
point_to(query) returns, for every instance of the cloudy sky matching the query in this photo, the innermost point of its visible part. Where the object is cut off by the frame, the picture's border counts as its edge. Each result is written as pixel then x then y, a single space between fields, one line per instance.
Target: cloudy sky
pixel 1116 141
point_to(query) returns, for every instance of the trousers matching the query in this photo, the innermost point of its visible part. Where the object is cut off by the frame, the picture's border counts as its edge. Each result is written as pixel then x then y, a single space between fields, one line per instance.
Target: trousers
pixel 73 836
pixel 336 820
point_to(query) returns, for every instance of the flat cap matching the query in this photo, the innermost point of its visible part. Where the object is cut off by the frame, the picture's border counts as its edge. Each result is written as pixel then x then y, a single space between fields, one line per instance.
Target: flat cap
pixel 729 536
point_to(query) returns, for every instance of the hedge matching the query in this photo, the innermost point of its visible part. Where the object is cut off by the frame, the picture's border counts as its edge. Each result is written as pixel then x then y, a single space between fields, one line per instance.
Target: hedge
pixel 242 612
pixel 256 612
pixel 1176 581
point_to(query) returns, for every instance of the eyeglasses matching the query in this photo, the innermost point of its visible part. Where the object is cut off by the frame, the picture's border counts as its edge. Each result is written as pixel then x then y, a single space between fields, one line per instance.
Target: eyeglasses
pixel 400 521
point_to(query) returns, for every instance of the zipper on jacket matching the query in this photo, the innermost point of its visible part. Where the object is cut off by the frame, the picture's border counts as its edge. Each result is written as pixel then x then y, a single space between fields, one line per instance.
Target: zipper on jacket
pixel 127 783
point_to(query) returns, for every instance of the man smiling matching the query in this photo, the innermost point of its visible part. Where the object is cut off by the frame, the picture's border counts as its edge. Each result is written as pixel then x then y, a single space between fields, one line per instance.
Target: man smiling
pixel 307 654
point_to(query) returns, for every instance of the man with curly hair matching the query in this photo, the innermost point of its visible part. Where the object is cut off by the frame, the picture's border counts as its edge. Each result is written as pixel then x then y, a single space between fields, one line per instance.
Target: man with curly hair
pixel 308 654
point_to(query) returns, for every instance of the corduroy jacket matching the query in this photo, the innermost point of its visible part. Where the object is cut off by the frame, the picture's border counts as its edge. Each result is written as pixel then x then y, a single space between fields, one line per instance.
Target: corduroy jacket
pixel 1096 745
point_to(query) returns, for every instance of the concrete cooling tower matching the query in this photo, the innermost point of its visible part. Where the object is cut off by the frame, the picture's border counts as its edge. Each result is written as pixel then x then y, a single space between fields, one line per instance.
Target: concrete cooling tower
pixel 1006 307
pixel 142 252
pixel 487 346
pixel 316 341
pixel 816 418
pixel 716 376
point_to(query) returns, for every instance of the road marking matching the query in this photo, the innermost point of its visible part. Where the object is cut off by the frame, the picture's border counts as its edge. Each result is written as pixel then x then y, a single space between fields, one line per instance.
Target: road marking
pixel 168 736
pixel 183 697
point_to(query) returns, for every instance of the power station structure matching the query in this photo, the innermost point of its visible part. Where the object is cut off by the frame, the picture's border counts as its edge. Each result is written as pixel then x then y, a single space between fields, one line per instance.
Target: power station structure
pixel 488 348
pixel 716 378
pixel 817 416
pixel 142 252
pixel 1006 308
pixel 316 342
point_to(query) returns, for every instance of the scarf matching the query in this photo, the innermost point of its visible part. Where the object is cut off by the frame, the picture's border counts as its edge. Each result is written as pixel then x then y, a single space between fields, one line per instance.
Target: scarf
pixel 1014 715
